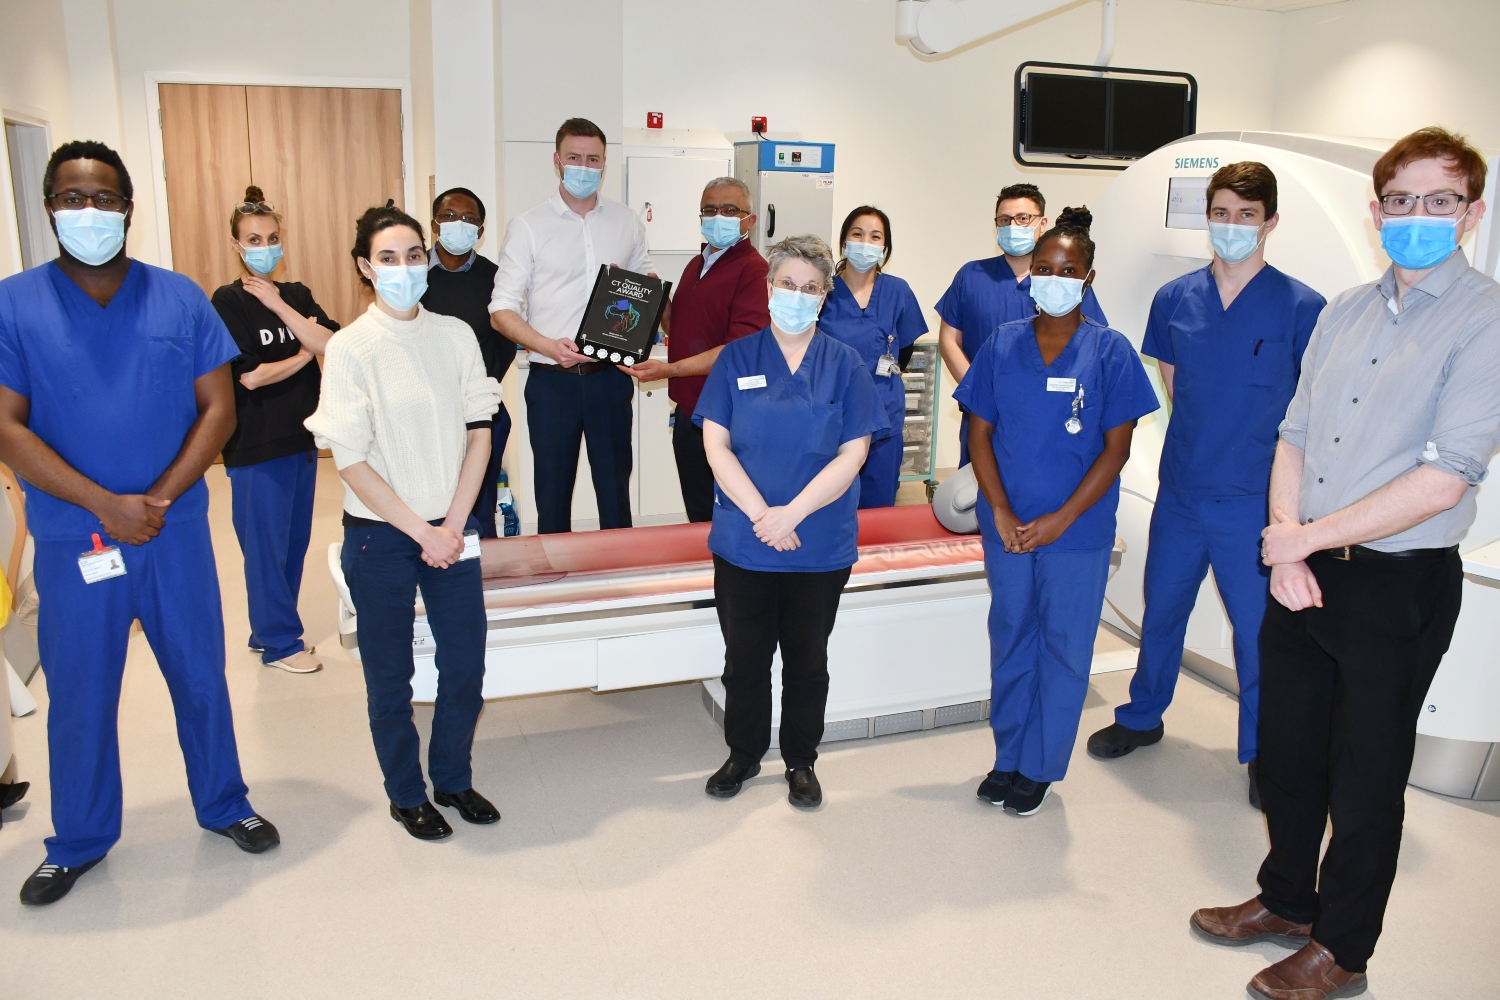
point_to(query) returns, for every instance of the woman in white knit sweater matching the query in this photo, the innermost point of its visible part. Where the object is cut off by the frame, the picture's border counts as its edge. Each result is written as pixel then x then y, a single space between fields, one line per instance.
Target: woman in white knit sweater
pixel 406 407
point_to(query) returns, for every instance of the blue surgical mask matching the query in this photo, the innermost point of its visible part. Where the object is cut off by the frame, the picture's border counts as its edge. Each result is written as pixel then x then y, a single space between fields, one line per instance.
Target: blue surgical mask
pixel 90 235
pixel 1018 241
pixel 458 237
pixel 582 182
pixel 261 260
pixel 401 287
pixel 794 312
pixel 1056 295
pixel 720 231
pixel 1417 242
pixel 863 256
pixel 1231 242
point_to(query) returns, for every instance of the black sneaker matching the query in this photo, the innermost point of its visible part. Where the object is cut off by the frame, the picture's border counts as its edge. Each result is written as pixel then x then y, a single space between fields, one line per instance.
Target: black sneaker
pixel 1116 740
pixel 253 834
pixel 1253 770
pixel 50 882
pixel 1026 796
pixel 804 790
pixel 996 786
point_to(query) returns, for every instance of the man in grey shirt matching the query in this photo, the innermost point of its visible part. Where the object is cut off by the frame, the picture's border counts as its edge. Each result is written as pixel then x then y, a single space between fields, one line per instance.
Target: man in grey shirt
pixel 1393 424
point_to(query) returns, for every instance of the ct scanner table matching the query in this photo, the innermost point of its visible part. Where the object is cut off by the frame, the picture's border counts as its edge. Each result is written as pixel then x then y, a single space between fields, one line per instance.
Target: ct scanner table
pixel 605 610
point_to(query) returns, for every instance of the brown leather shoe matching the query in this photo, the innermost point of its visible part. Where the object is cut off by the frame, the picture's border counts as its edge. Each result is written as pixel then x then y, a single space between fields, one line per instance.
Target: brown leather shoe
pixel 1246 924
pixel 1310 974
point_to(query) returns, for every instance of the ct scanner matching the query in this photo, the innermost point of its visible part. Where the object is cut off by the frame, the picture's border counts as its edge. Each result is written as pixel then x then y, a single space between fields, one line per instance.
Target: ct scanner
pixel 1326 239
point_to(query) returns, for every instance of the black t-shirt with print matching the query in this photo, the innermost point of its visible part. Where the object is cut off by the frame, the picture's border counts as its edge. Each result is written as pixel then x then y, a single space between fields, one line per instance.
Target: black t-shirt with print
pixel 270 418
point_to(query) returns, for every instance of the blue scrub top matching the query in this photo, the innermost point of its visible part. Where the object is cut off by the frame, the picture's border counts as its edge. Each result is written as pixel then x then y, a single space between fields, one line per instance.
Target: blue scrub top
pixel 111 389
pixel 893 312
pixel 1236 372
pixel 985 294
pixel 1041 464
pixel 784 433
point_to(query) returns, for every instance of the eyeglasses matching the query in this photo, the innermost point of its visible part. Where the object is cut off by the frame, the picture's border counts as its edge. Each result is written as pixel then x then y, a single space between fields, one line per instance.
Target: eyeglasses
pixel 728 211
pixel 808 289
pixel 104 201
pixel 255 208
pixel 1024 219
pixel 1441 203
pixel 452 216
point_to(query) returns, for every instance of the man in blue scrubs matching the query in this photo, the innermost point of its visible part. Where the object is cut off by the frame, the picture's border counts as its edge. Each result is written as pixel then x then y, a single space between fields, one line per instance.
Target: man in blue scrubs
pixel 1229 339
pixel 115 396
pixel 993 290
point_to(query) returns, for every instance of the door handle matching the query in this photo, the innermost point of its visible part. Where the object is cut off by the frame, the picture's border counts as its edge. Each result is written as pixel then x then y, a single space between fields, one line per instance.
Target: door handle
pixel 770 221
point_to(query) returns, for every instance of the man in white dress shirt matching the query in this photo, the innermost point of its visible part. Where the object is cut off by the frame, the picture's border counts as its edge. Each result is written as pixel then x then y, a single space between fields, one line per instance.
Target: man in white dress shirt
pixel 548 263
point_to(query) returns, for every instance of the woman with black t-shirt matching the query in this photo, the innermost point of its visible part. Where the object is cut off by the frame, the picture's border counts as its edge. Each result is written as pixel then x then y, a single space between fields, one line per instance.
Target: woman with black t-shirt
pixel 271 459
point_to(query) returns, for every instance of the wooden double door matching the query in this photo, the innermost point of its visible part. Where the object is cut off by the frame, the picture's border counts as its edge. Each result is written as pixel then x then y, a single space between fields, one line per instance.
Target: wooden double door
pixel 322 156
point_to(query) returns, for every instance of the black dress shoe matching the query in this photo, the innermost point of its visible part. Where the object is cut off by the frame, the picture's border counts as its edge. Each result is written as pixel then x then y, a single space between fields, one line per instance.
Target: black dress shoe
pixel 1253 769
pixel 11 794
pixel 423 821
pixel 1116 740
pixel 726 781
pixel 805 790
pixel 472 806
pixel 50 882
pixel 253 835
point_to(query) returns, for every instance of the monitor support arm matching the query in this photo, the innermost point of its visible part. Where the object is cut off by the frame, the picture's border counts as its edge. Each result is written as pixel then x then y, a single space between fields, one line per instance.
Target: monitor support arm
pixel 933 27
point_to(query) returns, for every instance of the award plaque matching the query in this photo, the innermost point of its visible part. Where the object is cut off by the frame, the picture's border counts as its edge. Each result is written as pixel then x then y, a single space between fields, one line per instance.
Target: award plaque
pixel 624 311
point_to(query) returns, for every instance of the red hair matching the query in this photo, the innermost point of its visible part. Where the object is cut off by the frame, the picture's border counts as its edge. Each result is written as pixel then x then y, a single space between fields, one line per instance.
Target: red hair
pixel 1434 143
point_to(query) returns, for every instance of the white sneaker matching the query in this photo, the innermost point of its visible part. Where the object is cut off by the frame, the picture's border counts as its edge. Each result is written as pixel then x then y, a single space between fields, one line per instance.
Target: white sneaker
pixel 301 662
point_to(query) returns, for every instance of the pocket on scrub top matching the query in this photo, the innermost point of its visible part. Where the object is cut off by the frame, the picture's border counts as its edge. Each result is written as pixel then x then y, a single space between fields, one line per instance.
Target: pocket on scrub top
pixel 171 361
pixel 825 427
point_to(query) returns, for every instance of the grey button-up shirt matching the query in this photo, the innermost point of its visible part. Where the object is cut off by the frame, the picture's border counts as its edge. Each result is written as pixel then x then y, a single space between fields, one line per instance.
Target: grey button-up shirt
pixel 1383 391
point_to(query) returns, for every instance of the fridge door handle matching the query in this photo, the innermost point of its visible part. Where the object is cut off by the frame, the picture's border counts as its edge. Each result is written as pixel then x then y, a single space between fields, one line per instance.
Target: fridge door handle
pixel 770 221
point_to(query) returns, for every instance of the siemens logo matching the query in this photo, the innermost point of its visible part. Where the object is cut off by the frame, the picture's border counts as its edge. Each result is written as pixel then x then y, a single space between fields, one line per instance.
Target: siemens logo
pixel 1197 163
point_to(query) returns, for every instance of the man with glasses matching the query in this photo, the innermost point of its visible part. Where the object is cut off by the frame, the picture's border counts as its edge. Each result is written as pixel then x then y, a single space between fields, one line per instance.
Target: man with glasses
pixel 995 290
pixel 721 297
pixel 459 284
pixel 1393 424
pixel 115 396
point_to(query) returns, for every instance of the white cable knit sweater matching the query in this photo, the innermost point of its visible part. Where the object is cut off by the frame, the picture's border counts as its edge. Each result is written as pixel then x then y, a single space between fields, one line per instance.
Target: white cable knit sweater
pixel 400 395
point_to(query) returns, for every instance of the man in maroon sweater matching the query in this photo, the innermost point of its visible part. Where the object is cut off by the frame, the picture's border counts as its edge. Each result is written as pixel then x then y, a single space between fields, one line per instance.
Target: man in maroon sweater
pixel 721 297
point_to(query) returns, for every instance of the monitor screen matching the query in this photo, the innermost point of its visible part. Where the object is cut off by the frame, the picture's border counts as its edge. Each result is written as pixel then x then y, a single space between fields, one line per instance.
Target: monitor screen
pixel 1187 203
pixel 1094 116
pixel 1144 115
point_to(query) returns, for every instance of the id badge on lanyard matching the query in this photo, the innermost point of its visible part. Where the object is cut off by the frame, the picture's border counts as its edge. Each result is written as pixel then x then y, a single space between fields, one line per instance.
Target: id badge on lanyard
pixel 471 546
pixel 886 366
pixel 102 562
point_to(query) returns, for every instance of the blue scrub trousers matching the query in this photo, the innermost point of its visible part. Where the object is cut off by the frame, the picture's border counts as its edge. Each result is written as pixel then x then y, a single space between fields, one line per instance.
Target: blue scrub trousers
pixel 963 439
pixel 273 508
pixel 172 586
pixel 563 407
pixel 1189 534
pixel 383 568
pixel 880 476
pixel 489 490
pixel 1044 615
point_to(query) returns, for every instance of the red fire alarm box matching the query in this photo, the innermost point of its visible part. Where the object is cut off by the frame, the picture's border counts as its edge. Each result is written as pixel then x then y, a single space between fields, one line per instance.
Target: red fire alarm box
pixel 653 119
pixel 758 124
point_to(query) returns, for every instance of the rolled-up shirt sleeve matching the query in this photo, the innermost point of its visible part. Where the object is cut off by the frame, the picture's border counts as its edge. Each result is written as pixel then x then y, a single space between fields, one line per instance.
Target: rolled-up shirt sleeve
pixel 343 421
pixel 1466 426
pixel 513 276
pixel 481 392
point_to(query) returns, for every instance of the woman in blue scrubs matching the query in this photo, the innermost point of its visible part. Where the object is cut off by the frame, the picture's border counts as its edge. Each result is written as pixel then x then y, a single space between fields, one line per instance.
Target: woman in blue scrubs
pixel 993 290
pixel 1053 403
pixel 787 415
pixel 876 314
pixel 270 459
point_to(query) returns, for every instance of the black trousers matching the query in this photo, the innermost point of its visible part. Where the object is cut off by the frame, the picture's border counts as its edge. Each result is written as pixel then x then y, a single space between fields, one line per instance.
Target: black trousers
pixel 1340 690
pixel 757 612
pixel 489 490
pixel 693 473
pixel 562 409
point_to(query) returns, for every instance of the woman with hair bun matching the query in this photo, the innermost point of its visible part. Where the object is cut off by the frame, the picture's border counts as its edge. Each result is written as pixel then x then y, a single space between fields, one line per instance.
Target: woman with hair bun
pixel 407 408
pixel 1053 402
pixel 270 459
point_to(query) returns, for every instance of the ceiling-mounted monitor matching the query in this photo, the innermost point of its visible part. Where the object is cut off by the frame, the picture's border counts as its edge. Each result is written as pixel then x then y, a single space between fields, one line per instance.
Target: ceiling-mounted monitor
pixel 1101 119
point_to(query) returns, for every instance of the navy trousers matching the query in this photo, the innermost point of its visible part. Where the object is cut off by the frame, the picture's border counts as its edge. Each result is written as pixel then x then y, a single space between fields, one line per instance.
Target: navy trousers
pixel 563 408
pixel 489 490
pixel 172 586
pixel 383 568
pixel 273 507
pixel 1189 534
pixel 880 476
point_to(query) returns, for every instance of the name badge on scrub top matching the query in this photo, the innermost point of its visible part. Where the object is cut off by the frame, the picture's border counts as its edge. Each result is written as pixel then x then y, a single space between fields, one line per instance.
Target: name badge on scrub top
pixel 471 546
pixel 1062 384
pixel 101 562
pixel 753 382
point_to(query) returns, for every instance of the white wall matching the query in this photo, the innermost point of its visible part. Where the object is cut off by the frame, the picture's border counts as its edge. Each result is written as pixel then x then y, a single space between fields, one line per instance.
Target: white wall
pixel 463 97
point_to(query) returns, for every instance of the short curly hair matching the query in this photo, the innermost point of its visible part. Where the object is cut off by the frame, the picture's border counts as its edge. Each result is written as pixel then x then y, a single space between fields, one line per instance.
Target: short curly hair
pixel 805 247
pixel 87 149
